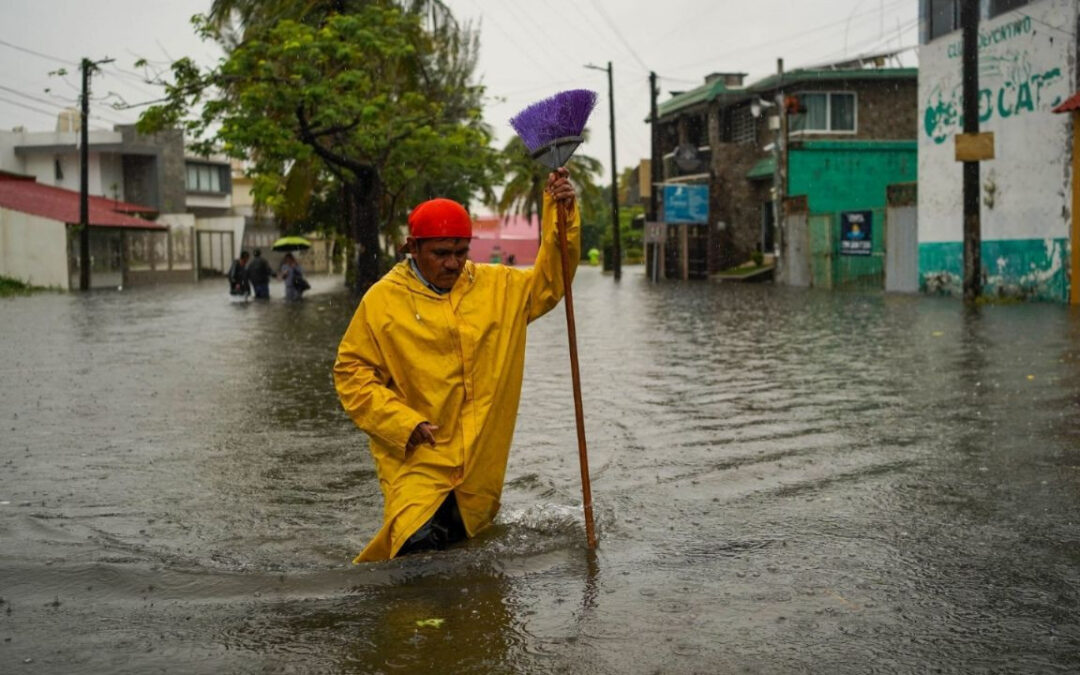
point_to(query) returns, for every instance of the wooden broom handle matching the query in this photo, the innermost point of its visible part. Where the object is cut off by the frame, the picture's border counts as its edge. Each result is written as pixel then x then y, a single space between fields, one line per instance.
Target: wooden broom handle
pixel 579 414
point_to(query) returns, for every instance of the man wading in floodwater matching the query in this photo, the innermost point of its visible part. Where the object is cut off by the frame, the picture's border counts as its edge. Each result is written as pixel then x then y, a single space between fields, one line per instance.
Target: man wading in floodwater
pixel 430 368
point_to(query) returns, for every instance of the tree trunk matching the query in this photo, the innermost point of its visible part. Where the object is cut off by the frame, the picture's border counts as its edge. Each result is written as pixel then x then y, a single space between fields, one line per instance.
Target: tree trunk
pixel 362 205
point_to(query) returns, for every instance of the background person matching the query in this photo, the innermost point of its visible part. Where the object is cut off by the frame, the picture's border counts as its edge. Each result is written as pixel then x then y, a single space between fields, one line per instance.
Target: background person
pixel 239 286
pixel 293 276
pixel 259 273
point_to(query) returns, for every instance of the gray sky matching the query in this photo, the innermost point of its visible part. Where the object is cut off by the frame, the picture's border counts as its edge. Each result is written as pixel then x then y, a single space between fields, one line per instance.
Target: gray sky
pixel 530 49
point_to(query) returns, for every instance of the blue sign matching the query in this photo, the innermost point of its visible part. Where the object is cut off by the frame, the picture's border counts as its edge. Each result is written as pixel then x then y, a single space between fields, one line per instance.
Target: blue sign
pixel 856 230
pixel 686 203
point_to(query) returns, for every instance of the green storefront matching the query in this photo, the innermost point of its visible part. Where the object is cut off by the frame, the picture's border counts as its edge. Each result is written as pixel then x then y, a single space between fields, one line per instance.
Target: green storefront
pixel 845 184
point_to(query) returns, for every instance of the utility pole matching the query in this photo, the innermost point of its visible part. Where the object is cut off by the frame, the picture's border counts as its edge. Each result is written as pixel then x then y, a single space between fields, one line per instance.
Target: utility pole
pixel 616 246
pixel 969 21
pixel 780 166
pixel 84 181
pixel 654 170
pixel 84 174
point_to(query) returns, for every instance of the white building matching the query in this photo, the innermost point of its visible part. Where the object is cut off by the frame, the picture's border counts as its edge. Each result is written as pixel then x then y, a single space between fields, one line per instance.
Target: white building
pixel 1027 65
pixel 190 194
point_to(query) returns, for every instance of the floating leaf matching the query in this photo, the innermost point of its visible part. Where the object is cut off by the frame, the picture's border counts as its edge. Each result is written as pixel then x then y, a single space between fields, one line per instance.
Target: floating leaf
pixel 430 623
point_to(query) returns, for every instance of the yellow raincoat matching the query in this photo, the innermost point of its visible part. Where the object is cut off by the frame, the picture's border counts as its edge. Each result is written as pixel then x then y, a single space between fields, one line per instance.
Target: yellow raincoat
pixel 411 355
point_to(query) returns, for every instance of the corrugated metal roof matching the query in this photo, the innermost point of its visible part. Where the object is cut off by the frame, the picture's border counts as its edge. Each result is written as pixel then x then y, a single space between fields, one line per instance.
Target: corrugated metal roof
pixel 1071 103
pixel 828 75
pixel 705 92
pixel 709 92
pixel 25 194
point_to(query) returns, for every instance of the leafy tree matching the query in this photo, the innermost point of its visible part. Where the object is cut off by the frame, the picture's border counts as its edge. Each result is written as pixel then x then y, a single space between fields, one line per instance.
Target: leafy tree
pixel 355 98
pixel 523 192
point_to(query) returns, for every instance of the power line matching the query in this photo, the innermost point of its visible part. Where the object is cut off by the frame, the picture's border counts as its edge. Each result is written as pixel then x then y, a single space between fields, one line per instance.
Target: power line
pixel 785 38
pixel 611 24
pixel 868 43
pixel 50 113
pixel 67 106
pixel 38 54
pixel 596 32
pixel 537 62
pixel 33 98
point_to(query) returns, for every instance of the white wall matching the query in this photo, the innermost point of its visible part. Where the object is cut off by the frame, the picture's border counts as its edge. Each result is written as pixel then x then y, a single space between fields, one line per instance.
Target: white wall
pixel 110 176
pixel 8 160
pixel 220 260
pixel 103 169
pixel 1026 67
pixel 235 224
pixel 33 249
pixel 222 201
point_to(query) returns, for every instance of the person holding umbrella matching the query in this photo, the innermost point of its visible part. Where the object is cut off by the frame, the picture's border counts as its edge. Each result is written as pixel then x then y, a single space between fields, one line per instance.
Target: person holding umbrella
pixel 293 276
pixel 291 272
pixel 431 367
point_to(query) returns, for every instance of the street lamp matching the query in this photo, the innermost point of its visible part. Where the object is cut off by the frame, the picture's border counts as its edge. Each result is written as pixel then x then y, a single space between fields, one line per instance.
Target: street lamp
pixel 616 253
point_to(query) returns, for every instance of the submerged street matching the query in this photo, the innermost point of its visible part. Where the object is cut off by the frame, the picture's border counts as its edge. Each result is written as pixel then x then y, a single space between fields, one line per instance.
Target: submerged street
pixel 784 481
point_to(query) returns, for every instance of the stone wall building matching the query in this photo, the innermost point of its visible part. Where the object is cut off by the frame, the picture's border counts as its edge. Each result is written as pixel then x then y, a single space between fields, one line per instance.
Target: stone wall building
pixel 722 135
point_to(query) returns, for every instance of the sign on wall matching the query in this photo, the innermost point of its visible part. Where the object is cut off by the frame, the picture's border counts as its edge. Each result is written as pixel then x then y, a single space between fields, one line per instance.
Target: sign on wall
pixel 686 203
pixel 856 233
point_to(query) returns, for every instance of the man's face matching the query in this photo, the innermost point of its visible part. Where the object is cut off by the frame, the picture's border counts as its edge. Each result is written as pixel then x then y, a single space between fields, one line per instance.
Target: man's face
pixel 441 260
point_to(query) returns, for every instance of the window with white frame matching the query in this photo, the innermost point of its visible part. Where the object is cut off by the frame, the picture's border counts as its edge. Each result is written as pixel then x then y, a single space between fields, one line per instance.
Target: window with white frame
pixel 203 177
pixel 825 111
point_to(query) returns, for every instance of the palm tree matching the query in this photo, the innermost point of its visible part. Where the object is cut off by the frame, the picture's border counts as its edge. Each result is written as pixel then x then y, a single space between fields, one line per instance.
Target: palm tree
pixel 523 193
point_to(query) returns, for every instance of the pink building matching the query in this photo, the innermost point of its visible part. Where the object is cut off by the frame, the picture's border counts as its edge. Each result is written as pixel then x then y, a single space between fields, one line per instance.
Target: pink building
pixel 496 238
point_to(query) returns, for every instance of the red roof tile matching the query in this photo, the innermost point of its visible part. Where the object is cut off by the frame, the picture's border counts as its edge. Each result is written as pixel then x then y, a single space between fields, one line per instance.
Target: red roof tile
pixel 25 194
pixel 1071 103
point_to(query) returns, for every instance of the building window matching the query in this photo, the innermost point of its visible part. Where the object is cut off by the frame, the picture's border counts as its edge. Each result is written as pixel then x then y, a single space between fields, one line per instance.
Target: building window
pixel 204 178
pixel 743 126
pixel 944 17
pixel 826 112
pixel 1002 6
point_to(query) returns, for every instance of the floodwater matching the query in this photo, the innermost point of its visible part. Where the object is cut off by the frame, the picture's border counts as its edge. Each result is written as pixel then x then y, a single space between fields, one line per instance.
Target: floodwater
pixel 785 481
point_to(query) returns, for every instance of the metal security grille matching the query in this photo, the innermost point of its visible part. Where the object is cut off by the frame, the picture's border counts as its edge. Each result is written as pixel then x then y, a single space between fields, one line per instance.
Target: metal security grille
pixel 743 126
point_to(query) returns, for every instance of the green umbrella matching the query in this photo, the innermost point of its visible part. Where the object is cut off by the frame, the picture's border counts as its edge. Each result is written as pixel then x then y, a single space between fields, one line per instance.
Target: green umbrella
pixel 292 244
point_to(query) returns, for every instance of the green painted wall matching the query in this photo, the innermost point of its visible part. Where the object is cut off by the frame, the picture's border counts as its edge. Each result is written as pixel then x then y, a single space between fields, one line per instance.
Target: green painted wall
pixel 841 176
pixel 1035 269
pixel 849 175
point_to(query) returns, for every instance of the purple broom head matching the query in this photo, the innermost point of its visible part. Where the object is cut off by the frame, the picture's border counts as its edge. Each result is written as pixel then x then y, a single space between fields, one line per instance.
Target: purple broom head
pixel 551 128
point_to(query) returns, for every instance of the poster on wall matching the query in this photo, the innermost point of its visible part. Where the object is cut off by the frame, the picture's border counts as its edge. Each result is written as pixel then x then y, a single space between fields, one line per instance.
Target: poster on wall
pixel 856 229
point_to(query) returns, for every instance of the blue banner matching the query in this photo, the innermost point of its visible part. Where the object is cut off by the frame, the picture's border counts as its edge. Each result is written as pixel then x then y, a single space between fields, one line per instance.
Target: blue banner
pixel 686 203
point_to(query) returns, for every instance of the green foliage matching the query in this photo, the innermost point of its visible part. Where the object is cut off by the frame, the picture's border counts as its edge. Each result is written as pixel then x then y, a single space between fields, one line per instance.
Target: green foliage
pixel 630 238
pixel 317 95
pixel 10 286
pixel 523 192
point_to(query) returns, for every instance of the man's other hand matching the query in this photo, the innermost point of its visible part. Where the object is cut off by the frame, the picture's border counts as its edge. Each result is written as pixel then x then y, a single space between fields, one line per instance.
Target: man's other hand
pixel 423 433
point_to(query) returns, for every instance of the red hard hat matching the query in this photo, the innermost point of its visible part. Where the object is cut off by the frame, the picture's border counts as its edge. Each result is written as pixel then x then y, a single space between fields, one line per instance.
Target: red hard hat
pixel 440 219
